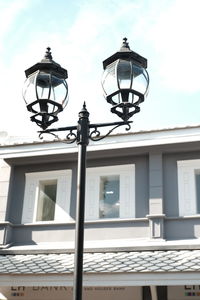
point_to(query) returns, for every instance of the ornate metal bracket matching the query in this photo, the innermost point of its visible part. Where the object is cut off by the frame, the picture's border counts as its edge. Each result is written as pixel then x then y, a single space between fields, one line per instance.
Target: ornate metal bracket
pixel 94 133
pixel 84 130
pixel 70 138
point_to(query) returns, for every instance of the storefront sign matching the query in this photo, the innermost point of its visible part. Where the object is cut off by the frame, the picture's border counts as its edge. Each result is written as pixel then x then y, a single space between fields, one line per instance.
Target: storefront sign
pixel 186 292
pixel 65 293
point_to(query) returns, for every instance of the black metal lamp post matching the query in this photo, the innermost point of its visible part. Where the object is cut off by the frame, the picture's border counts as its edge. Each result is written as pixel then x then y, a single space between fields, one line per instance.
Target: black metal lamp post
pixel 125 83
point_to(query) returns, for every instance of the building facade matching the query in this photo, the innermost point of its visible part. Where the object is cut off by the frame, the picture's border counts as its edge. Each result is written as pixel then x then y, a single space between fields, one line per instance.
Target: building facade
pixel 142 217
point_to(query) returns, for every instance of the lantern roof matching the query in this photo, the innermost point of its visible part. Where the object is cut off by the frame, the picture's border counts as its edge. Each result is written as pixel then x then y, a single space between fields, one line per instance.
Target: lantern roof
pixel 47 64
pixel 126 53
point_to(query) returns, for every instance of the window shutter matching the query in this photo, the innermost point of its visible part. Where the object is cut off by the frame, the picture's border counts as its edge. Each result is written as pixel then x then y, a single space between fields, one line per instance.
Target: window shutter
pixel 127 192
pixel 63 198
pixel 29 199
pixel 92 197
pixel 186 191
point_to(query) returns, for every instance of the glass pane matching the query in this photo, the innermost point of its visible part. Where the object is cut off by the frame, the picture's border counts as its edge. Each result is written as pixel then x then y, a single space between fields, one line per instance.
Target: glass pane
pixel 198 192
pixel 109 82
pixel 46 200
pixel 137 70
pixel 43 85
pixel 29 89
pixel 140 80
pixel 124 72
pixel 59 90
pixel 109 197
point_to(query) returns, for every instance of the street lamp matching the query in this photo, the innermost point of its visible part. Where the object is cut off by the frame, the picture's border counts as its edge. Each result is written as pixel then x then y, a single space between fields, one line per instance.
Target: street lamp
pixel 45 90
pixel 125 83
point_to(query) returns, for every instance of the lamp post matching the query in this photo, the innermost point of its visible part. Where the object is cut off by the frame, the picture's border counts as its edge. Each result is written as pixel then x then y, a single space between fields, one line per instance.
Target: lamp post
pixel 125 83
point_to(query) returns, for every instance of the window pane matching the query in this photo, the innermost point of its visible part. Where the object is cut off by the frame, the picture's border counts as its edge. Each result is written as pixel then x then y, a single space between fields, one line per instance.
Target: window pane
pixel 198 192
pixel 46 200
pixel 109 197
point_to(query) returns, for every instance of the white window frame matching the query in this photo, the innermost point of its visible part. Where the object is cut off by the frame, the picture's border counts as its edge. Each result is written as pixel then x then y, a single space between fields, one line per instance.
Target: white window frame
pixel 63 194
pixel 187 197
pixel 127 191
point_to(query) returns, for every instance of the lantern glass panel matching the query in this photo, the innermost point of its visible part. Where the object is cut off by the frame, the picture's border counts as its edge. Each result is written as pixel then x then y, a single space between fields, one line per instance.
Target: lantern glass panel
pixel 140 80
pixel 124 74
pixel 29 94
pixel 109 81
pixel 43 86
pixel 59 90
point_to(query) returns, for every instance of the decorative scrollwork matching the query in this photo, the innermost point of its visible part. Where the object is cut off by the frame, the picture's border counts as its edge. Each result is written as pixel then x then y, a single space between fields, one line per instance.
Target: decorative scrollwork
pixel 129 127
pixel 41 135
pixel 74 132
pixel 95 135
pixel 71 137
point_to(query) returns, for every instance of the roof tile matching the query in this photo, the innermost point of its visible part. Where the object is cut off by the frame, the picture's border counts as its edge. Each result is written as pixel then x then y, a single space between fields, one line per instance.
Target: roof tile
pixel 138 261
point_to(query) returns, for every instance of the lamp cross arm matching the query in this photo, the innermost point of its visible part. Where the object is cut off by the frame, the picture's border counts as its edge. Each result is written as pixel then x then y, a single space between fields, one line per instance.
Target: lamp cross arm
pixel 93 134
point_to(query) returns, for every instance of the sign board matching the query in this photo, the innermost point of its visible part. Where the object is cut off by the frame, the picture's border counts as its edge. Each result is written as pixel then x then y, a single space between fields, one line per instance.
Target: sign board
pixel 187 292
pixel 65 293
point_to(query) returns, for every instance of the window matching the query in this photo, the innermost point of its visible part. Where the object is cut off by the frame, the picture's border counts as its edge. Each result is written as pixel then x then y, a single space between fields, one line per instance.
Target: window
pixel 47 196
pixel 46 200
pixel 189 187
pixel 109 196
pixel 110 192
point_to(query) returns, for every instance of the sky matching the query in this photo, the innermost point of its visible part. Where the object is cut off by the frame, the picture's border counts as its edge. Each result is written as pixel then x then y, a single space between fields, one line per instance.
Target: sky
pixel 83 33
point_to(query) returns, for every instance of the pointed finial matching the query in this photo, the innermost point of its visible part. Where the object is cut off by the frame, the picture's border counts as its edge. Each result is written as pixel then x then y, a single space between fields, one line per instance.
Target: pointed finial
pixel 84 113
pixel 84 109
pixel 48 54
pixel 125 44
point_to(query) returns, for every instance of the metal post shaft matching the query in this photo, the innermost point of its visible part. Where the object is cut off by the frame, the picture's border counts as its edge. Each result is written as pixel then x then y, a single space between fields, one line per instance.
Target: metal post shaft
pixel 82 141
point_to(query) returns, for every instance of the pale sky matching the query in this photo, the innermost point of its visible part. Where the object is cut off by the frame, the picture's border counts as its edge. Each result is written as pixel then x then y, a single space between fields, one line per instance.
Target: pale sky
pixel 81 34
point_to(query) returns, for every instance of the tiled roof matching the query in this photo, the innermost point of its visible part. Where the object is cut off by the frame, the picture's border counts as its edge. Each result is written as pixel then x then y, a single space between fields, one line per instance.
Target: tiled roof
pixel 108 262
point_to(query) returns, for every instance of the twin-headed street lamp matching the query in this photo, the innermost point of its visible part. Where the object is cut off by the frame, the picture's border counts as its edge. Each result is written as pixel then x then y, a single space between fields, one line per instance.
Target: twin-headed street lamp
pixel 125 84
